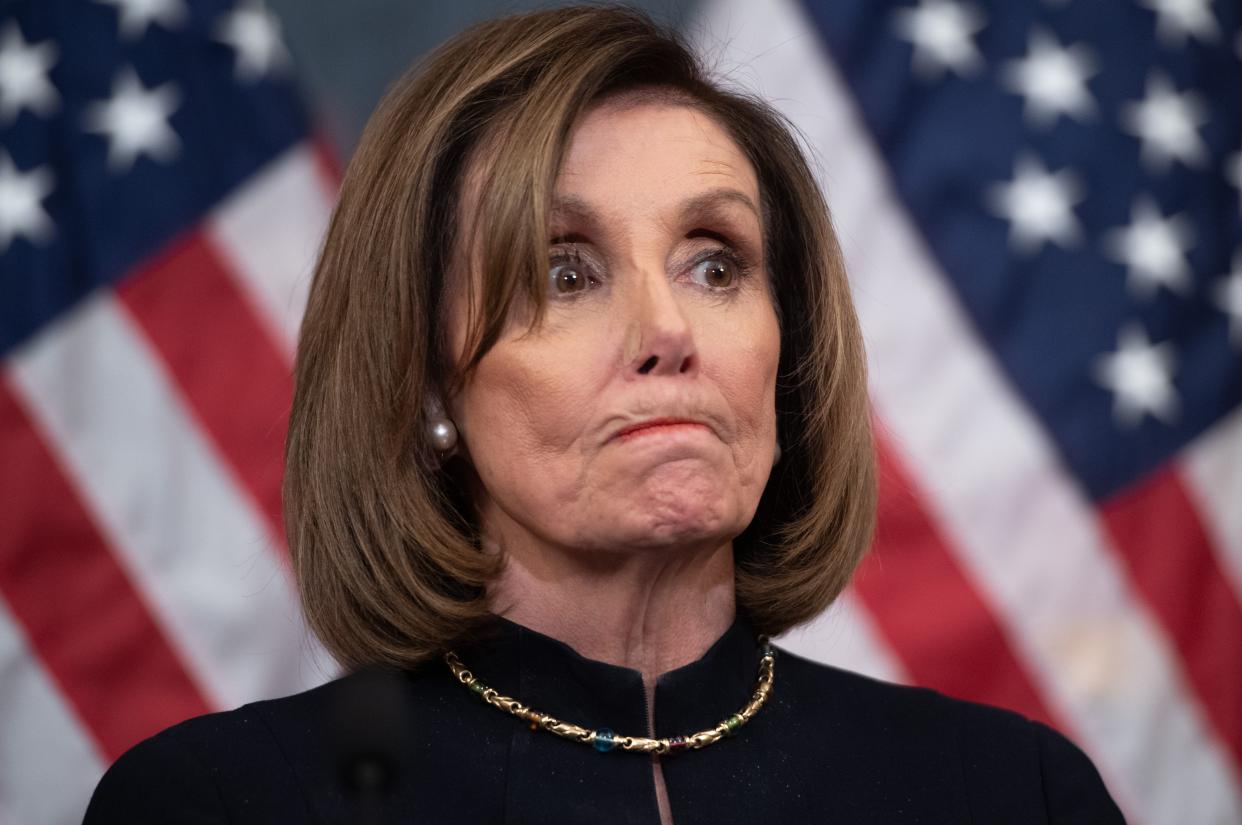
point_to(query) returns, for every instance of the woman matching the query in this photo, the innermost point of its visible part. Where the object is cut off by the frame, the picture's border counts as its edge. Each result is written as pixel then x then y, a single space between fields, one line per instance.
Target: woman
pixel 581 399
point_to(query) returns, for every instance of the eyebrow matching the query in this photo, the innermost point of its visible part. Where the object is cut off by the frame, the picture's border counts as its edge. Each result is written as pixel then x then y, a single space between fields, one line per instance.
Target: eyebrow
pixel 571 208
pixel 714 198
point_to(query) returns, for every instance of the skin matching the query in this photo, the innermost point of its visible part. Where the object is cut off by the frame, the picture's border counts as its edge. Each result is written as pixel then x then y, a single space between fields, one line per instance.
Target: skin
pixel 659 308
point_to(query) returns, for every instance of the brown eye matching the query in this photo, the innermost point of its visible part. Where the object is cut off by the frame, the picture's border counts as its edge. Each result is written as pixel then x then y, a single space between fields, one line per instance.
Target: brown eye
pixel 567 278
pixel 717 273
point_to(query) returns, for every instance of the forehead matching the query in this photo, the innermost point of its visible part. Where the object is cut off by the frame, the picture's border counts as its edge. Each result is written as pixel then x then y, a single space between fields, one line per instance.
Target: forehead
pixel 628 151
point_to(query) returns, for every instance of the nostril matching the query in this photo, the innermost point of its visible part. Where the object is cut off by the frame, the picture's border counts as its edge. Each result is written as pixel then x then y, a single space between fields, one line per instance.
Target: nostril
pixel 686 364
pixel 648 365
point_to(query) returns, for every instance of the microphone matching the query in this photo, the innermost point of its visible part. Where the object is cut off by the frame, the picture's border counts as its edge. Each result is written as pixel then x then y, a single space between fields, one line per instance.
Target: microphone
pixel 370 726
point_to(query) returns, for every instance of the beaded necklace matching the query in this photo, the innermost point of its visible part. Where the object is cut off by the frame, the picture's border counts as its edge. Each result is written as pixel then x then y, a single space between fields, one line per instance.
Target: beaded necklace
pixel 603 739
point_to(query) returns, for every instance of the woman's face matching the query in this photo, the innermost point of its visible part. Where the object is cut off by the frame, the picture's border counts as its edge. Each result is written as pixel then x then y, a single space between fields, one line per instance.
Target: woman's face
pixel 641 413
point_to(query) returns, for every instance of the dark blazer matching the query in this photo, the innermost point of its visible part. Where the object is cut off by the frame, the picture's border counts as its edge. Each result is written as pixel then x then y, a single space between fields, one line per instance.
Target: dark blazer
pixel 829 746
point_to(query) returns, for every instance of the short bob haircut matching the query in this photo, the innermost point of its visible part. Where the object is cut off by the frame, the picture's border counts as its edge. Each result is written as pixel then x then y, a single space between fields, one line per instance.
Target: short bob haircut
pixel 384 541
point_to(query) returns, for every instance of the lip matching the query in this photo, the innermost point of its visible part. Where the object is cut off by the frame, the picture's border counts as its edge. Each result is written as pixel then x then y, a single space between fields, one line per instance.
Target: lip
pixel 656 425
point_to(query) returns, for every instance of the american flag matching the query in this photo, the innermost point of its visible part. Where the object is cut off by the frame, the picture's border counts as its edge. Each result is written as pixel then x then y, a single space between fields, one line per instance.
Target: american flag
pixel 161 203
pixel 1040 208
pixel 1040 205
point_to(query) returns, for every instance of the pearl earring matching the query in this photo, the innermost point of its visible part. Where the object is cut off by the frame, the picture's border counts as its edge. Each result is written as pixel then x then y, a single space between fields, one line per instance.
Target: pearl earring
pixel 443 435
pixel 441 432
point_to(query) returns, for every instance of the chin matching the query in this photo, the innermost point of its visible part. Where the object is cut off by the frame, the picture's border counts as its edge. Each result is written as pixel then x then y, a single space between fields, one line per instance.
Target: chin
pixel 677 504
pixel 663 524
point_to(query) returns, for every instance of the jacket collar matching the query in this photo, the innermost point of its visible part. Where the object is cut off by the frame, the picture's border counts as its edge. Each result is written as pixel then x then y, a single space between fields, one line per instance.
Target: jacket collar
pixel 551 677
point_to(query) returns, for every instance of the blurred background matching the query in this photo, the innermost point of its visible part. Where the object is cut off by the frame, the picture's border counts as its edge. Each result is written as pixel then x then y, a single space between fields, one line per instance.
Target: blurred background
pixel 1040 203
pixel 348 54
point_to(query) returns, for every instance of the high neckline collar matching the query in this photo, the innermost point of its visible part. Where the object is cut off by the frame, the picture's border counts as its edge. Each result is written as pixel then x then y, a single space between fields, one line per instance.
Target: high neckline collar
pixel 550 676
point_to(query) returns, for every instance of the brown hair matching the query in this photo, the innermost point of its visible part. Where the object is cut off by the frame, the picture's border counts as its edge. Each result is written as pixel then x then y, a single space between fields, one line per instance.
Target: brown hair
pixel 383 541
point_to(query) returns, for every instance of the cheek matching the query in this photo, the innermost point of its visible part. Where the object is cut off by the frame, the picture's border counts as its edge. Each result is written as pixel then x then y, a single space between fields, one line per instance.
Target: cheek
pixel 742 359
pixel 526 402
pixel 506 411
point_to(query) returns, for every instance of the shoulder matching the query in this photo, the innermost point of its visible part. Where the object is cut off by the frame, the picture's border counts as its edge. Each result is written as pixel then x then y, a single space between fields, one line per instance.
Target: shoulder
pixel 997 756
pixel 198 771
pixel 912 713
pixel 252 764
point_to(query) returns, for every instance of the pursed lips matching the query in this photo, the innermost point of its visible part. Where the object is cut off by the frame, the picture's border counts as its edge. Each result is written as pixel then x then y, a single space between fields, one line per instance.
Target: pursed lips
pixel 655 424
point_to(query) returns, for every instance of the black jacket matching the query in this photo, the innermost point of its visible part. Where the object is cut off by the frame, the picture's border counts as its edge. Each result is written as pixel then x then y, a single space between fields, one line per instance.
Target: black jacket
pixel 829 746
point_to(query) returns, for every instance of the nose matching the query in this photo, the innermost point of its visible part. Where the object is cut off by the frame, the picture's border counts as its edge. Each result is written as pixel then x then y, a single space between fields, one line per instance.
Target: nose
pixel 661 337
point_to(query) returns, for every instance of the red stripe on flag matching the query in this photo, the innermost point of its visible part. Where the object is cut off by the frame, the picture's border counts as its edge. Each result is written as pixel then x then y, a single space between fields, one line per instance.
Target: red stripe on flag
pixel 233 374
pixel 329 165
pixel 928 609
pixel 1160 537
pixel 89 626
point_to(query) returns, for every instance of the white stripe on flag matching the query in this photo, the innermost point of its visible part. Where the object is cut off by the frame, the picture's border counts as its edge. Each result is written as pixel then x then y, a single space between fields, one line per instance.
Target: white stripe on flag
pixel 189 539
pixel 845 637
pixel 1095 653
pixel 1213 475
pixel 48 766
pixel 269 232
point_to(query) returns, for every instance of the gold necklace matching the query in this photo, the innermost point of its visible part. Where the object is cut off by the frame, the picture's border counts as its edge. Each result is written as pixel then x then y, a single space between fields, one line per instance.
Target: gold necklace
pixel 603 739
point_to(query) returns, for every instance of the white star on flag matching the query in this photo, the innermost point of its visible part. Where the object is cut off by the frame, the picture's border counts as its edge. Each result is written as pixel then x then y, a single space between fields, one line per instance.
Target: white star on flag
pixel 1039 205
pixel 135 121
pixel 21 207
pixel 1167 123
pixel 942 32
pixel 1153 248
pixel 1177 19
pixel 137 15
pixel 24 83
pixel 1228 299
pixel 1052 78
pixel 1140 375
pixel 254 32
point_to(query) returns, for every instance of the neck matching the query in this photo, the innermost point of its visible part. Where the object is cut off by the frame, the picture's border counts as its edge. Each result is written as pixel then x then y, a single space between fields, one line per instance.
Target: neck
pixel 652 610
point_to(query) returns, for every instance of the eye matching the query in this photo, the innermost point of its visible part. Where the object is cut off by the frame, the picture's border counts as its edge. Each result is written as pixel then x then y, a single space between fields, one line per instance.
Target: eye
pixel 572 271
pixel 717 272
pixel 568 278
